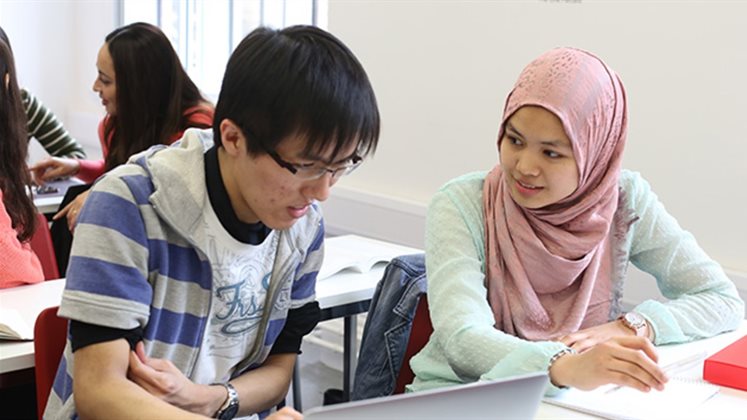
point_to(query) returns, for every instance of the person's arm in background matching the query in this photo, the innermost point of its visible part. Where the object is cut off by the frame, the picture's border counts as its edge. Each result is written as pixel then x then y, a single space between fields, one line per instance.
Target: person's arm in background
pixel 84 169
pixel 43 125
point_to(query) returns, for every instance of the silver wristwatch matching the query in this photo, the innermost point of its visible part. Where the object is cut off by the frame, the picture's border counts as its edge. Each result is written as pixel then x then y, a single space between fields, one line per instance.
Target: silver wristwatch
pixel 635 322
pixel 231 406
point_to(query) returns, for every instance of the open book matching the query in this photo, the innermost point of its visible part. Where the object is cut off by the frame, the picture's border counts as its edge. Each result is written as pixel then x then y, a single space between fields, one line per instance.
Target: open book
pixel 21 305
pixel 13 326
pixel 358 254
pixel 682 394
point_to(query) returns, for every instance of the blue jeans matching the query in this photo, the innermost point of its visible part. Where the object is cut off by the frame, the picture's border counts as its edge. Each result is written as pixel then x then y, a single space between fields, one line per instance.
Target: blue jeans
pixel 388 325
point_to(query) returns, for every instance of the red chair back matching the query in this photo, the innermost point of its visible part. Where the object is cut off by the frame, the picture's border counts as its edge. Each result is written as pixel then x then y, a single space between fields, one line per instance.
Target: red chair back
pixel 50 333
pixel 41 243
pixel 419 334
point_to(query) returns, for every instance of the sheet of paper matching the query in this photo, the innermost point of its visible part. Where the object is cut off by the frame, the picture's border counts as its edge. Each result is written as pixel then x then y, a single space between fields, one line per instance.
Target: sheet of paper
pixel 684 392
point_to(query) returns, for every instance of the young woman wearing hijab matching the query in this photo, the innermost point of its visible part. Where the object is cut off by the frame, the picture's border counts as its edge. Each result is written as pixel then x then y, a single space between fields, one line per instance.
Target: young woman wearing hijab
pixel 526 263
pixel 18 263
pixel 149 100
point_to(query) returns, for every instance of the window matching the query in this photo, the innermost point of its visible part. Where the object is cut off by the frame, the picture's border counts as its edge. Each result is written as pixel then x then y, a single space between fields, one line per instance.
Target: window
pixel 205 32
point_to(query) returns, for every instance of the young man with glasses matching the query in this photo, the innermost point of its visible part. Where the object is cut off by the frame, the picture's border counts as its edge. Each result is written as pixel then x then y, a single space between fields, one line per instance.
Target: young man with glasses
pixel 192 274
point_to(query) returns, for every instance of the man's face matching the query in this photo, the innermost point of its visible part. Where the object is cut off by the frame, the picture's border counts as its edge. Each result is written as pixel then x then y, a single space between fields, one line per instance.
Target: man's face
pixel 260 189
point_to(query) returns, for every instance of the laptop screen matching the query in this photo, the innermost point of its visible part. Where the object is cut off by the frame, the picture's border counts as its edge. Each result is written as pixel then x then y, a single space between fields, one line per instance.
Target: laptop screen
pixel 513 397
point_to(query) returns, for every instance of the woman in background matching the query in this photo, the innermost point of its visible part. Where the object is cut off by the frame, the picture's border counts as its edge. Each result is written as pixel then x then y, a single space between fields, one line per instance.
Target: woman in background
pixel 149 100
pixel 43 125
pixel 18 263
pixel 526 263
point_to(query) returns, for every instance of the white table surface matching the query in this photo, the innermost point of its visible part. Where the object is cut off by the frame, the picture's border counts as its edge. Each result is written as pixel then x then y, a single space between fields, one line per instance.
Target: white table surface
pixel 29 301
pixel 47 205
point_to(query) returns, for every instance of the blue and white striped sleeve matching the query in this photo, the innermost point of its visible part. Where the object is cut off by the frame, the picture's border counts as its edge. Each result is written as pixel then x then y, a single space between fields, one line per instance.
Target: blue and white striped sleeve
pixel 107 278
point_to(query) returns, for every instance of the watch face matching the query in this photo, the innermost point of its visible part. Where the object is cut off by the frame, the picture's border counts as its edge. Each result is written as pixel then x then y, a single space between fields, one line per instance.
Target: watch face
pixel 635 320
pixel 229 412
pixel 231 406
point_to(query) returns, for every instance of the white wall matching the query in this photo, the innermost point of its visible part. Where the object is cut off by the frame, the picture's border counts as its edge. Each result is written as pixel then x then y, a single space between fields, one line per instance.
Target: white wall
pixel 441 71
pixel 55 43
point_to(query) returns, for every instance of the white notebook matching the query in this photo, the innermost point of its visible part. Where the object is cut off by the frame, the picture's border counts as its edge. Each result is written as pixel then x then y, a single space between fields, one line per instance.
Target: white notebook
pixel 685 391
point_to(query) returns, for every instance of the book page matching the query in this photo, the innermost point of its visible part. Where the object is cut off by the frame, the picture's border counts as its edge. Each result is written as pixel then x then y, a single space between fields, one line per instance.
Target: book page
pixel 13 327
pixel 356 253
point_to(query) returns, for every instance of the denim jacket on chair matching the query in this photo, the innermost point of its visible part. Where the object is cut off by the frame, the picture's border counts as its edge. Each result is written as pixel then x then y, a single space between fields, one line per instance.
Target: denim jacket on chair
pixel 387 327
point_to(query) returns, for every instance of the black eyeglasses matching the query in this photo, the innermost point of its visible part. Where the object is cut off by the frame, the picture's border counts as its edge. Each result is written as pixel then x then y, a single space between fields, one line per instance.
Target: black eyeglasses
pixel 312 171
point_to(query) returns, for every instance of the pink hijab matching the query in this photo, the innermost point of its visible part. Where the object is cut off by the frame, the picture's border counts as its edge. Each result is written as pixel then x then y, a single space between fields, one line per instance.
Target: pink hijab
pixel 549 270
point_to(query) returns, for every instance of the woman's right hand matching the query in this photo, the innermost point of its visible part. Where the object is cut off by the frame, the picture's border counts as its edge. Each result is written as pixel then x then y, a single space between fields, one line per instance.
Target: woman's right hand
pixel 626 361
pixel 52 168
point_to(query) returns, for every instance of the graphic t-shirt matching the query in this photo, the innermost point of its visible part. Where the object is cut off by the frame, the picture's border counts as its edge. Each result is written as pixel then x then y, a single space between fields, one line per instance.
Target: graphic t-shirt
pixel 241 279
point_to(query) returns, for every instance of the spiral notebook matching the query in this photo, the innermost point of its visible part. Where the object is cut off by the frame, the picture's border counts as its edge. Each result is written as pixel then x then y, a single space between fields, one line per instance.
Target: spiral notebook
pixel 685 391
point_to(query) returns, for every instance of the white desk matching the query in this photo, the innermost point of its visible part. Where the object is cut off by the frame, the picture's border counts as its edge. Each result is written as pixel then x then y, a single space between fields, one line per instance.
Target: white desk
pixel 29 301
pixel 47 205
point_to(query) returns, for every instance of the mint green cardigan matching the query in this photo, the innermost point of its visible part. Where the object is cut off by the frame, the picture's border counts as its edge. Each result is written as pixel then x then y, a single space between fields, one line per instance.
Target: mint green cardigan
pixel 465 347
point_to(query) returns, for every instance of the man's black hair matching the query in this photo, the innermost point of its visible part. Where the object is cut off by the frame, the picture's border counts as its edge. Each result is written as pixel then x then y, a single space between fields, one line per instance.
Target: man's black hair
pixel 302 81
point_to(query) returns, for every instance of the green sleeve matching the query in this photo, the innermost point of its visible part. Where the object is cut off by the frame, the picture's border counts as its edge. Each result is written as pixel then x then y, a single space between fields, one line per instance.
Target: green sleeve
pixel 43 125
pixel 701 299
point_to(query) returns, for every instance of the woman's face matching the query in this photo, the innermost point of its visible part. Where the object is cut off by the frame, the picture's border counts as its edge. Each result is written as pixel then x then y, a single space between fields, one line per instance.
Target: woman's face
pixel 105 84
pixel 537 158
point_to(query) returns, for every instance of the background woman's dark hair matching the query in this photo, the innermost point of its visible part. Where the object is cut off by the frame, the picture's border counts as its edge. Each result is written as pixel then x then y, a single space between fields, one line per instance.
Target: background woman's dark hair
pixel 4 38
pixel 298 80
pixel 14 175
pixel 153 91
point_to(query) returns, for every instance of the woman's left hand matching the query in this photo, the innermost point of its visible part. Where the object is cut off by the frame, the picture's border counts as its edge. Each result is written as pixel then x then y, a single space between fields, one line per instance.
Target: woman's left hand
pixel 584 339
pixel 72 210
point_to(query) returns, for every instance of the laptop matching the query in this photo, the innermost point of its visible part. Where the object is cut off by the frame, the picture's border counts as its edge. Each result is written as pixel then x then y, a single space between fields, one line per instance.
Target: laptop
pixel 56 187
pixel 516 397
